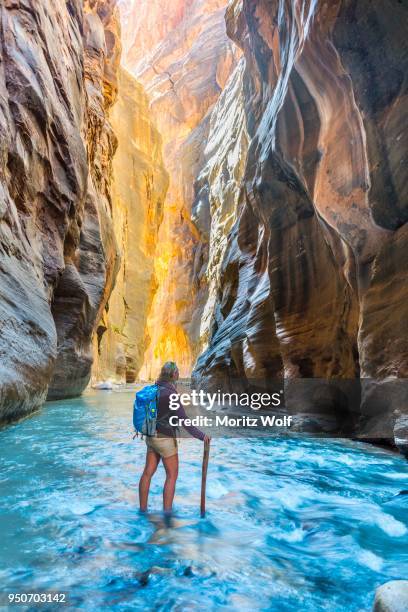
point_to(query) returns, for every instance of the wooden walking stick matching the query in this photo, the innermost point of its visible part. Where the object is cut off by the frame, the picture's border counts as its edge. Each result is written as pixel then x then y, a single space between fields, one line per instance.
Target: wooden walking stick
pixel 204 477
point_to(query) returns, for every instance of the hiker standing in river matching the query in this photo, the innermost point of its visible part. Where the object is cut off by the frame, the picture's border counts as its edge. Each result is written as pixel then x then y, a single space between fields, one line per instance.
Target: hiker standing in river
pixel 163 445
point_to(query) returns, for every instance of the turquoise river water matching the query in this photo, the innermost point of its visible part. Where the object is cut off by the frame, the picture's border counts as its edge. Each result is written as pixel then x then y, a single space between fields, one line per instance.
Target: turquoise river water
pixel 292 523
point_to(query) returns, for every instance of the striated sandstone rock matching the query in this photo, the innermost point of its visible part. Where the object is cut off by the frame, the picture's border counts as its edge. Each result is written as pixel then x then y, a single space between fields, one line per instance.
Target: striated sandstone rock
pixel 218 187
pixel 383 346
pixel 91 267
pixel 57 250
pixel 312 281
pixel 181 54
pixel 138 192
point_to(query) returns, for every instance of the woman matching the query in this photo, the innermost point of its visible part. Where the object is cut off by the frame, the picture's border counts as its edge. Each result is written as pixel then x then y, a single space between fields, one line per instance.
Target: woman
pixel 164 444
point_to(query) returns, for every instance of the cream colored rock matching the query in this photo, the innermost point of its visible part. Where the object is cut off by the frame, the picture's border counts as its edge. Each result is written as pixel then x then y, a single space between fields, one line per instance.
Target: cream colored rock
pixel 391 597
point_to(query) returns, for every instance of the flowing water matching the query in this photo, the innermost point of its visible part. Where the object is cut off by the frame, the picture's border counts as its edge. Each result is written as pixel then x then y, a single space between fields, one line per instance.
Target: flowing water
pixel 292 523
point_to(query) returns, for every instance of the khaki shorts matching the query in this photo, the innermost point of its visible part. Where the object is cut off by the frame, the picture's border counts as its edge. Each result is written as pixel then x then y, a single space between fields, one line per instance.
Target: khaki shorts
pixel 165 447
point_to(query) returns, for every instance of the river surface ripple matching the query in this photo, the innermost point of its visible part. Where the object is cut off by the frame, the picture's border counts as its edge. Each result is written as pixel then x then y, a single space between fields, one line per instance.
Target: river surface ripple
pixel 292 524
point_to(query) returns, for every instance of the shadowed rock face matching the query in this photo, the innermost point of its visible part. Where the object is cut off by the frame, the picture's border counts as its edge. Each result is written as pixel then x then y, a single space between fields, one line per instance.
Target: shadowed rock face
pixel 91 272
pixel 217 193
pixel 312 278
pixel 57 249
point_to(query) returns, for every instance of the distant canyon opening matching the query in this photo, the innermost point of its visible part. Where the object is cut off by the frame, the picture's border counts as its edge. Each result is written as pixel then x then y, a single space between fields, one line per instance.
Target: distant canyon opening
pixel 176 62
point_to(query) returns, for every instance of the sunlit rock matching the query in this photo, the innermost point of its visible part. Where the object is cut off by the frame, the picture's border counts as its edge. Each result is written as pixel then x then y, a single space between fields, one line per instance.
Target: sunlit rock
pixel 182 55
pixel 138 193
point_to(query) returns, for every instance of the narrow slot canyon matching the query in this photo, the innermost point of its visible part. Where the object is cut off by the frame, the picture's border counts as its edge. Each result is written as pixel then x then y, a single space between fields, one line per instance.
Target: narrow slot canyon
pixel 182 76
pixel 217 183
pixel 203 204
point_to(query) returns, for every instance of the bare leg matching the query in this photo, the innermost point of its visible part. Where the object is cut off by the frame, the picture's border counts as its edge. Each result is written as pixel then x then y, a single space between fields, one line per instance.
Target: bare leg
pixel 152 461
pixel 171 467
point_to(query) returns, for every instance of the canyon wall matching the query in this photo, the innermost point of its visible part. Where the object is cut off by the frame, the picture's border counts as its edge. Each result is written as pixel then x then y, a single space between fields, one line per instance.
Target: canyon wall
pixel 312 282
pixel 215 206
pixel 138 192
pixel 181 54
pixel 58 254
pixel 257 197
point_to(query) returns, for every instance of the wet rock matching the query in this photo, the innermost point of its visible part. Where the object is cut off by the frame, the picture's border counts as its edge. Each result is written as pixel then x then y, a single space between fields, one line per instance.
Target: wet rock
pixel 196 571
pixel 392 597
pixel 143 578
pixel 401 437
pixel 199 570
pixel 399 501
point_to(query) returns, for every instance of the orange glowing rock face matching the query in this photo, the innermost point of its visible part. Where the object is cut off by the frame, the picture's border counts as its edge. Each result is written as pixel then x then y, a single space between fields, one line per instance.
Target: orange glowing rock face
pixel 181 54
pixel 139 188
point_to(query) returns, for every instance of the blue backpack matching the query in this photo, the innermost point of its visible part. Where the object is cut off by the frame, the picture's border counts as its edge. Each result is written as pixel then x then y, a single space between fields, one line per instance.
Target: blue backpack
pixel 145 410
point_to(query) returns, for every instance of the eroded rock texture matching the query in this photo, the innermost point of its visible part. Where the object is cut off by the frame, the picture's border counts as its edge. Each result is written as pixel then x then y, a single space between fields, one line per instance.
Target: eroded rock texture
pixel 313 281
pixel 57 250
pixel 180 52
pixel 138 193
pixel 218 190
